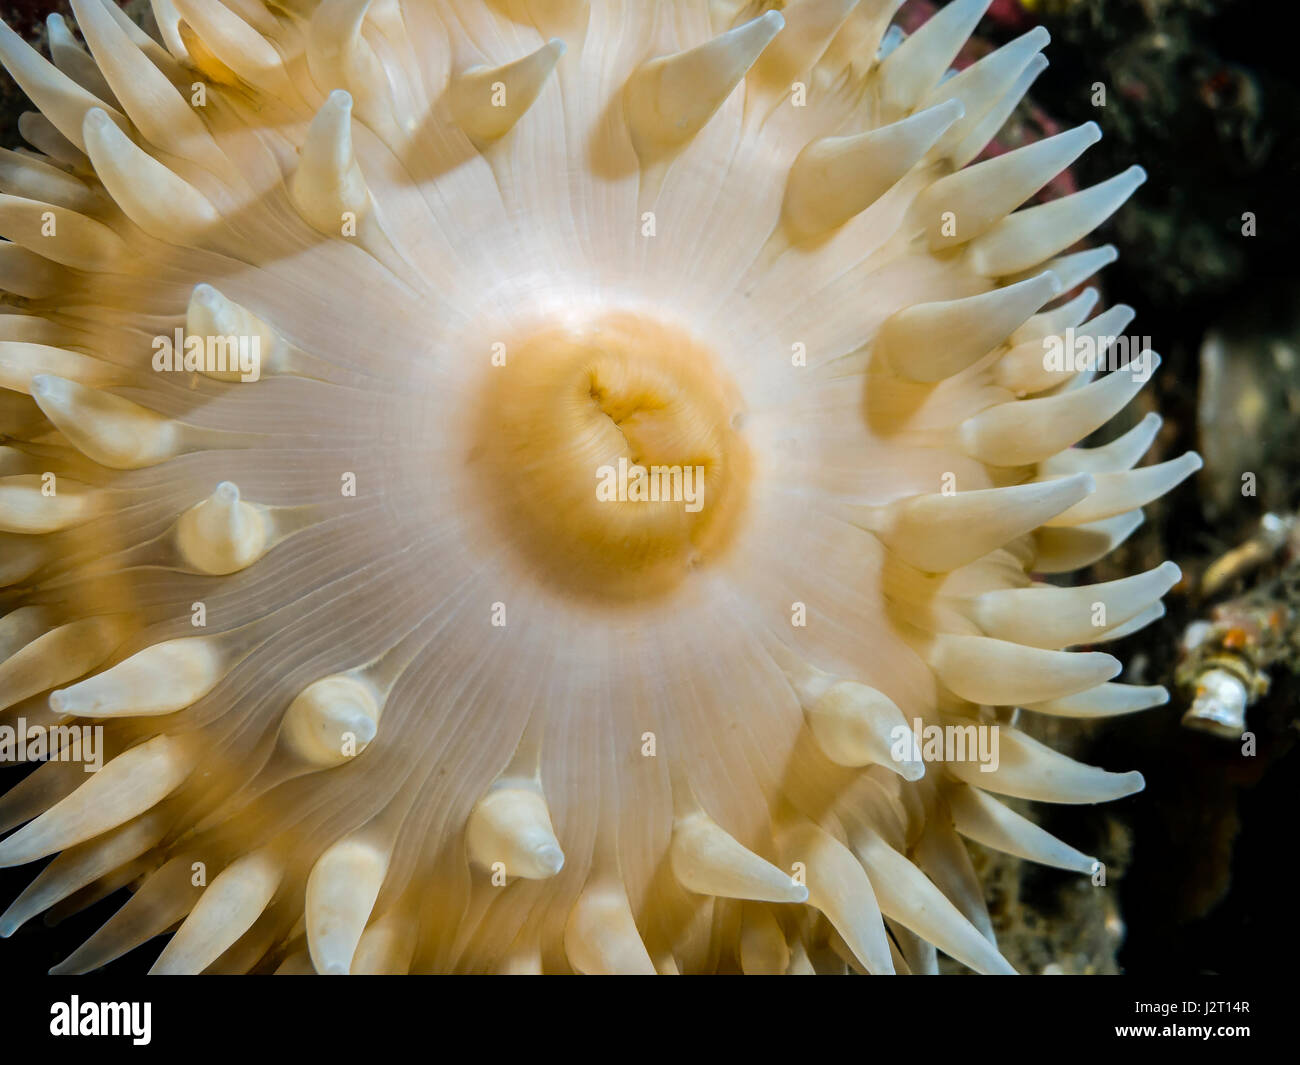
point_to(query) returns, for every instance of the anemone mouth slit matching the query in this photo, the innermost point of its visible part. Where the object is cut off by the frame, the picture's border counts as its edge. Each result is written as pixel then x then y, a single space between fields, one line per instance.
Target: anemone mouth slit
pixel 619 467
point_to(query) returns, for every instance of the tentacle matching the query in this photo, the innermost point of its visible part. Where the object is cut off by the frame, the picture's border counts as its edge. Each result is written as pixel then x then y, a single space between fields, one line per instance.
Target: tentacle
pixel 341 893
pixel 941 532
pixel 162 204
pixel 839 177
pixel 486 103
pixel 511 825
pixel 126 787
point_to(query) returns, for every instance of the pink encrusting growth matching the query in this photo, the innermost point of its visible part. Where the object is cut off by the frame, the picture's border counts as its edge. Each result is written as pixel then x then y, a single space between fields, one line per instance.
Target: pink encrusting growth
pixel 330 567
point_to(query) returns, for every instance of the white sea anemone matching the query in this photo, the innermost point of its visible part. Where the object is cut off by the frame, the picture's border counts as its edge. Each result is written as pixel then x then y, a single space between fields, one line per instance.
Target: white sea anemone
pixel 413 696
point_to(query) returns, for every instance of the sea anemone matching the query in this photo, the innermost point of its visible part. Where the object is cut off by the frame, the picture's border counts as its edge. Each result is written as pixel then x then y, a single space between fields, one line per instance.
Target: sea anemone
pixel 345 342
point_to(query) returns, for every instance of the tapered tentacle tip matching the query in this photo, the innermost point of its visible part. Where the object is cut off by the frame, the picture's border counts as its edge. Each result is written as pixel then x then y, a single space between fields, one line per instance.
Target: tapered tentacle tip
pixel 1129 783
pixel 510 828
pixel 911 770
pixel 1150 425
pixel 222 534
pixel 487 102
pixel 97 120
pixel 948 112
pixel 205 295
pixel 1171 571
pixel 548 859
pixel 331 720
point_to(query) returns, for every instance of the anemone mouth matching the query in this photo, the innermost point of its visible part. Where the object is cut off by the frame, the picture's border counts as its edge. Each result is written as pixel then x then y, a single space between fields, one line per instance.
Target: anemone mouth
pixel 611 456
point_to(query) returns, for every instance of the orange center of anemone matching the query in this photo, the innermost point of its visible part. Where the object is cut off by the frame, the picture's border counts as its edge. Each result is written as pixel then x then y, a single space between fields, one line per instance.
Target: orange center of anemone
pixel 615 459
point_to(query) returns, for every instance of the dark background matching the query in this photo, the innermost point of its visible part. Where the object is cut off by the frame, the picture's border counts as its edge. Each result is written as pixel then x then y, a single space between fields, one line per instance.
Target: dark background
pixel 1204 95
